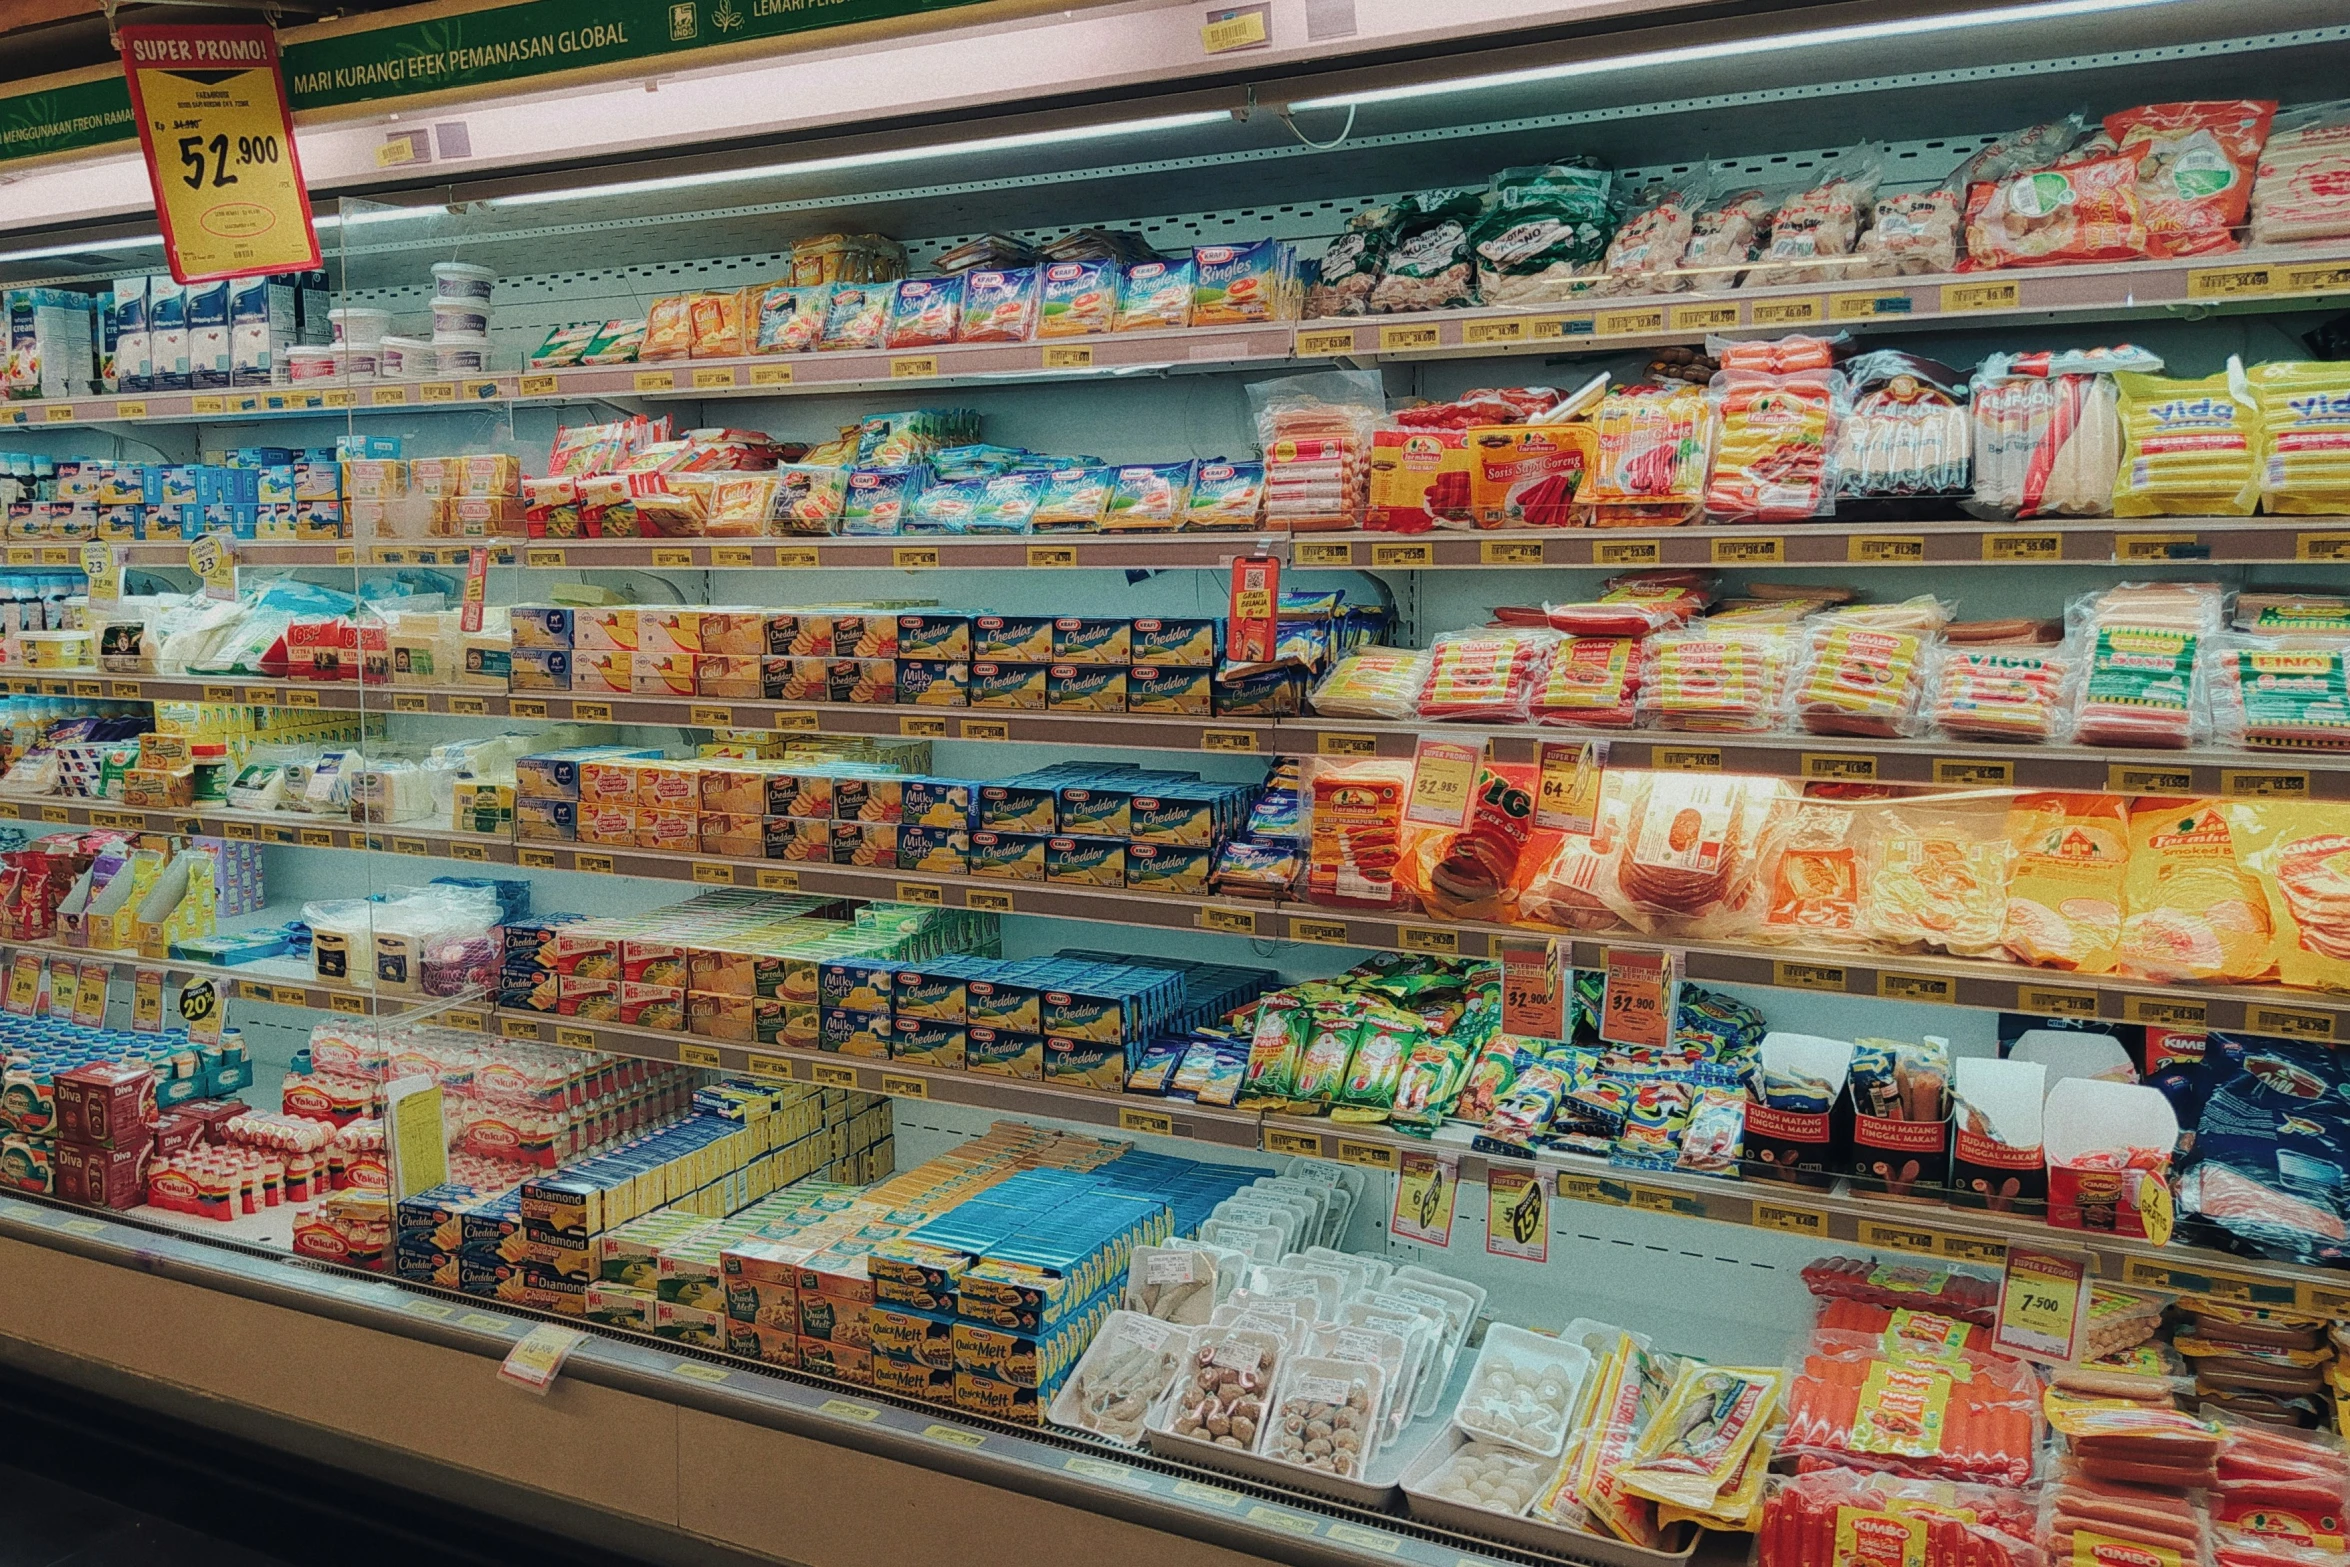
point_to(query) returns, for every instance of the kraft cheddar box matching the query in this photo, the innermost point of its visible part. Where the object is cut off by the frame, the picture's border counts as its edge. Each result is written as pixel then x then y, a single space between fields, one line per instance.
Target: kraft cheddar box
pixel 1008 856
pixel 1013 638
pixel 1190 643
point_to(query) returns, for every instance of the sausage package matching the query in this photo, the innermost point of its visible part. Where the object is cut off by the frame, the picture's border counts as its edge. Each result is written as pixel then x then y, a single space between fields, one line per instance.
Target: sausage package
pixel 2195 175
pixel 2142 647
pixel 2189 448
pixel 2048 431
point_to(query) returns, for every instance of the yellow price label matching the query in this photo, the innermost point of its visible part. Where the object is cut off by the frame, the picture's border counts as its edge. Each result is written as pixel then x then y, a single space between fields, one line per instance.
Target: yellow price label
pixel 1327 933
pixel 1339 552
pixel 1403 339
pixel 1740 550
pixel 1787 312
pixel 913 367
pixel 1959 297
pixel 771 375
pixel 656 381
pixel 538 386
pixel 1068 356
pixel 220 151
pixel 1704 318
pixel 1230 922
pixel 1155 1123
pixel 698 1055
pixel 1327 340
pixel 1043 557
pixel 711 378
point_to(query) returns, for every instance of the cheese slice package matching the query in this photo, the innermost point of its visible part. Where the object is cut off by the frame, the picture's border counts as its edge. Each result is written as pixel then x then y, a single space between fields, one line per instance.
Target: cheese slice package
pixel 2304 437
pixel 2064 889
pixel 2300 852
pixel 2189 448
pixel 2190 910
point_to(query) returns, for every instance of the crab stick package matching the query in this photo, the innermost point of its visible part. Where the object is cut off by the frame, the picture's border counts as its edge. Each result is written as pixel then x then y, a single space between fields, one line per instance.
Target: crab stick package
pixel 2304 435
pixel 2302 190
pixel 1655 447
pixel 2109 1148
pixel 1865 670
pixel 1700 1438
pixel 2188 447
pixel 1489 675
pixel 2142 651
pixel 2191 910
pixel 2048 435
pixel 2300 851
pixel 1935 874
pixel 2064 887
pixel 1848 1518
pixel 2195 174
pixel 1996 1158
pixel 2003 680
pixel 1957 1416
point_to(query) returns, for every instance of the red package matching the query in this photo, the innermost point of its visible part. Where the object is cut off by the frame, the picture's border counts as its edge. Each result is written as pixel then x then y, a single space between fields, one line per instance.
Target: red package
pixel 2195 178
pixel 1835 1517
pixel 1592 681
pixel 1956 1416
pixel 1916 1286
pixel 2054 217
pixel 1903 1326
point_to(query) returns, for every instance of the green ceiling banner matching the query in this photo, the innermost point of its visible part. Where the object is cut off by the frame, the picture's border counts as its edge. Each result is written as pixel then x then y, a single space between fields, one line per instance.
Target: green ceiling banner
pixel 511 43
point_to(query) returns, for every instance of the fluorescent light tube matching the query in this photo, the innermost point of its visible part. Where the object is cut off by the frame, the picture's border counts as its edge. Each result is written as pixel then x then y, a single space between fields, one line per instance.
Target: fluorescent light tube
pixel 863 160
pixel 86 247
pixel 1859 32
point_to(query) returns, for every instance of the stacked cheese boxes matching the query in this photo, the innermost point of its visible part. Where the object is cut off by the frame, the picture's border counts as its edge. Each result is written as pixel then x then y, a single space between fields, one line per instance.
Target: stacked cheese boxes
pixel 390 497
pixel 1064 664
pixel 1075 1019
pixel 738 1145
pixel 263 492
pixel 1107 824
pixel 1010 1253
pixel 821 654
pixel 814 811
pixel 730 965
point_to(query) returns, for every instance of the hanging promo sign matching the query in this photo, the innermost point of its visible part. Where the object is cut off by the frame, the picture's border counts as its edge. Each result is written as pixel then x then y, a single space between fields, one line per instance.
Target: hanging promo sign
pixel 219 143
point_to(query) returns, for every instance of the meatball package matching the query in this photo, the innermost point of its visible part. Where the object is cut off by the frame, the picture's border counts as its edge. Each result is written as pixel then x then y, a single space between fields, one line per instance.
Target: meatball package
pixel 2195 169
pixel 1431 264
pixel 1645 255
pixel 1543 235
pixel 2084 211
pixel 1816 234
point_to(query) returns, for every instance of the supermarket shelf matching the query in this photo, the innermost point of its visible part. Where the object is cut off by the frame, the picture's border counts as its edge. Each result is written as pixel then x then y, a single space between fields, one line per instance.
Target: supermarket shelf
pixel 2262 279
pixel 1967 982
pixel 253 1292
pixel 1845 543
pixel 899 1079
pixel 1811 758
pixel 773 375
pixel 2267 278
pixel 1837 1213
pixel 285 982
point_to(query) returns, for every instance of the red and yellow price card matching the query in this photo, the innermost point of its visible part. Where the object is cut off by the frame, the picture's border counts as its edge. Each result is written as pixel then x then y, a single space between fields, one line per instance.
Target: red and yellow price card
pixel 211 107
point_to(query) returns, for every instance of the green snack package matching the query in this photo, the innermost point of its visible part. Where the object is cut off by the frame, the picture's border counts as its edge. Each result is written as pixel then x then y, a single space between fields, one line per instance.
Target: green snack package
pixel 1381 1047
pixel 1330 1042
pixel 1275 1048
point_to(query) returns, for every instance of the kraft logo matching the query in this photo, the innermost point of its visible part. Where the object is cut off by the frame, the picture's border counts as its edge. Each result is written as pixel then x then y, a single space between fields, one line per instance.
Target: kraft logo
pixel 1216 255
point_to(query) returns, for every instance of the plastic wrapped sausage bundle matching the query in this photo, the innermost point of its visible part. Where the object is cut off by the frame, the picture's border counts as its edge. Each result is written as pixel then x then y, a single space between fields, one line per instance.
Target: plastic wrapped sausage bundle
pixel 2188 447
pixel 2280 693
pixel 1373 682
pixel 1953 1292
pixel 2304 435
pixel 2139 1447
pixel 1777 408
pixel 1489 675
pixel 1906 433
pixel 2142 652
pixel 2079 1514
pixel 2302 191
pixel 1725 682
pixel 2048 433
pixel 1956 1416
pixel 1655 446
pixel 2003 680
pixel 2293 1487
pixel 1593 682
pixel 1805 1516
pixel 1866 669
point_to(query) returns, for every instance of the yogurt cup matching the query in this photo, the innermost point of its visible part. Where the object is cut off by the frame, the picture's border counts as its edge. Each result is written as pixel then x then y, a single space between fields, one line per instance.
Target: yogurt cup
pixel 463 280
pixel 462 358
pixel 398 358
pixel 458 320
pixel 311 364
pixel 360 324
pixel 359 361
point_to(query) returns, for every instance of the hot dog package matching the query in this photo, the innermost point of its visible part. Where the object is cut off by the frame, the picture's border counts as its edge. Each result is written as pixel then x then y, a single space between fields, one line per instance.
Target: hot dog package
pixel 2188 447
pixel 2048 434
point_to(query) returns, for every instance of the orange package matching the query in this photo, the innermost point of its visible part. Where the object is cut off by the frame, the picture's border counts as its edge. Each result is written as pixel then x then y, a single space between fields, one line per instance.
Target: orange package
pixel 2087 211
pixel 2195 180
pixel 2064 891
pixel 1477 872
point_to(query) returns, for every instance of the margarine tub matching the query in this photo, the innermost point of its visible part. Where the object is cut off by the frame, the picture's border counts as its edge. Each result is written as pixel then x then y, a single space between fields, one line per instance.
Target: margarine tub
pixel 55 649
